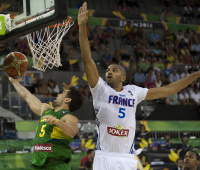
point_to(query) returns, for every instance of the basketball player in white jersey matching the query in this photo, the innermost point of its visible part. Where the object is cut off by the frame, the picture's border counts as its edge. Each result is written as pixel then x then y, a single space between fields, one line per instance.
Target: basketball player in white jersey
pixel 115 106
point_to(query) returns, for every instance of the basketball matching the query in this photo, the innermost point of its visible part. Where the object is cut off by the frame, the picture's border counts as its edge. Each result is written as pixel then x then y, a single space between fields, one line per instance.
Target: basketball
pixel 15 64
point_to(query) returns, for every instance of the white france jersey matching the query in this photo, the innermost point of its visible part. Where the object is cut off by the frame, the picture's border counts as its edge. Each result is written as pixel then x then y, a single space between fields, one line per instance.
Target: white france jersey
pixel 115 116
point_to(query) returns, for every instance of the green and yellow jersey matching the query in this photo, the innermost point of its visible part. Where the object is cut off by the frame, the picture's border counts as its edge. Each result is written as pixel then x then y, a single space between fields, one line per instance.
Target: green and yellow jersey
pixel 50 142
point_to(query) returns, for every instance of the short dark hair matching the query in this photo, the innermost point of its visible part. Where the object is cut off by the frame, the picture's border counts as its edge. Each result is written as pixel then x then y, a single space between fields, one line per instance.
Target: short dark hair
pixel 197 155
pixel 90 151
pixel 76 99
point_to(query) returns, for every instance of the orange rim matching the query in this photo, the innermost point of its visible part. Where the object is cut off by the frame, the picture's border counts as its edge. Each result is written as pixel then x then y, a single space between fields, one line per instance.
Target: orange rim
pixel 68 21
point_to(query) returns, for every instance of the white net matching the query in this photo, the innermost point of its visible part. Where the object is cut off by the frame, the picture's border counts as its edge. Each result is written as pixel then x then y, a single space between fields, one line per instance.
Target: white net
pixel 45 45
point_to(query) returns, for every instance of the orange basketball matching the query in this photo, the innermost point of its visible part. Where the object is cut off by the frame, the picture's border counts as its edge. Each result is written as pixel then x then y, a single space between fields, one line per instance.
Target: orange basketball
pixel 15 64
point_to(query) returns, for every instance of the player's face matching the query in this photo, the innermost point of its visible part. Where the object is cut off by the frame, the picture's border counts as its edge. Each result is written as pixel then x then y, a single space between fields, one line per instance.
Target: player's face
pixel 60 99
pixel 190 160
pixel 113 75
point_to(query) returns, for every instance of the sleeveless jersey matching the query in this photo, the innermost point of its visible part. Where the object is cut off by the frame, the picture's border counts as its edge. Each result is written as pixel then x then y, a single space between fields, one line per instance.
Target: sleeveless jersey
pixel 115 116
pixel 50 141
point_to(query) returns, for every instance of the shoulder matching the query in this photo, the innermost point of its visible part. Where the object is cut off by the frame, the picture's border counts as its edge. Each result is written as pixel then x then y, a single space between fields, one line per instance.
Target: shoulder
pixel 45 107
pixel 131 86
pixel 101 80
pixel 69 118
pixel 101 83
pixel 128 87
pixel 134 88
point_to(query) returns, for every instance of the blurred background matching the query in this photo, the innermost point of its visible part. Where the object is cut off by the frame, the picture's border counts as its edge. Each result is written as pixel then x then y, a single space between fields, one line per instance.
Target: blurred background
pixel 157 42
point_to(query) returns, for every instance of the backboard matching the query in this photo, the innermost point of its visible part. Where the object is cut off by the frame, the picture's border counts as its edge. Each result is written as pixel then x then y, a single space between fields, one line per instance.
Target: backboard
pixel 21 17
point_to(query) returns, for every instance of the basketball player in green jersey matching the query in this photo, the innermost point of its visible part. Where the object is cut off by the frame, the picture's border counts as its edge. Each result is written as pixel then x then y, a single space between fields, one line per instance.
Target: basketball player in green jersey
pixel 55 129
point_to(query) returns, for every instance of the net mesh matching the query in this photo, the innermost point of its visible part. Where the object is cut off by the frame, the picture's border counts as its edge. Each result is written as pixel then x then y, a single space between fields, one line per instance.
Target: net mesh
pixel 45 45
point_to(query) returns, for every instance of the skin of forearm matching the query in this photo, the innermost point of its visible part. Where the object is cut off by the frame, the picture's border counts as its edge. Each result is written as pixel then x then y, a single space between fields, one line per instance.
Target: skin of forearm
pixel 181 84
pixel 172 88
pixel 67 129
pixel 22 91
pixel 84 43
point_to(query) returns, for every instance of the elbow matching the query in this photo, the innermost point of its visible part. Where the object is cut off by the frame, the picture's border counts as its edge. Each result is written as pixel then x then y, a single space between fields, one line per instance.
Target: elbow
pixel 73 132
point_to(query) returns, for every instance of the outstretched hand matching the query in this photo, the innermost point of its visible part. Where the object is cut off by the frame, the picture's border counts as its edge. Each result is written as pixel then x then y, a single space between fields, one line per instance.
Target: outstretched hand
pixel 12 80
pixel 83 15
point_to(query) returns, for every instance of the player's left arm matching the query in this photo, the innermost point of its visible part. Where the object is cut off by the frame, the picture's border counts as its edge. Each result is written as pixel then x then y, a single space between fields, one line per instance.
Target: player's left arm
pixel 68 124
pixel 34 103
pixel 89 64
pixel 172 88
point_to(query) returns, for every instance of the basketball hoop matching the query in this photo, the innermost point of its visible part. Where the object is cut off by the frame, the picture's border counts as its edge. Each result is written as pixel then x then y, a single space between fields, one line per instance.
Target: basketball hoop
pixel 45 45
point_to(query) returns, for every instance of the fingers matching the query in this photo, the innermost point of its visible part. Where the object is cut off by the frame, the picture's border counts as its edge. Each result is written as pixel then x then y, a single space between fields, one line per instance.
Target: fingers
pixel 14 79
pixel 44 117
pixel 84 6
pixel 80 10
pixel 9 78
pixel 49 119
pixel 20 78
pixel 86 14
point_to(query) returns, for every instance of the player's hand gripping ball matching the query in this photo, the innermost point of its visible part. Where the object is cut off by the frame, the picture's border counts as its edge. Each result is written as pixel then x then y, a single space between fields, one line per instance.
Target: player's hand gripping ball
pixel 15 64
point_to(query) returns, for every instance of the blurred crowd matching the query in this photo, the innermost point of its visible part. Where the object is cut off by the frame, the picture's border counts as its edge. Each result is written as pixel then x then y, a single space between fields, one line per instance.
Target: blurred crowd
pixel 179 49
pixel 50 88
pixel 160 47
pixel 11 6
pixel 166 144
pixel 8 128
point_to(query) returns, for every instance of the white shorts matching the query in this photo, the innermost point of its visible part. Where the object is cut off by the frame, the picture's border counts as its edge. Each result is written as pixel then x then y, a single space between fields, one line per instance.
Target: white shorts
pixel 114 161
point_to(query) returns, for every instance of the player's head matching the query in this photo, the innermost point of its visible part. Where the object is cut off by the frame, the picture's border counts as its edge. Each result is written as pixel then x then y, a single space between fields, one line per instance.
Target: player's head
pixel 191 160
pixel 115 75
pixel 71 98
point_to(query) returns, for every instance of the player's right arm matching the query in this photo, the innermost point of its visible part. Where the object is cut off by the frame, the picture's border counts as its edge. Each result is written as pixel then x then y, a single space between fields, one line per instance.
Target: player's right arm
pixel 34 103
pixel 89 65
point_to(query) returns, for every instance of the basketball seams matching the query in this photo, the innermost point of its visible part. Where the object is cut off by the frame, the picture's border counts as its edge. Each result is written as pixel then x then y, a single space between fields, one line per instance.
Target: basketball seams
pixel 10 74
pixel 14 57
pixel 15 64
pixel 23 66
pixel 16 72
pixel 19 56
pixel 13 61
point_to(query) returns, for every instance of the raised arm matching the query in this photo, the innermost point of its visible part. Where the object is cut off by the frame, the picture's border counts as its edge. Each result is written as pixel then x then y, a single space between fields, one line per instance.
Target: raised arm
pixel 34 103
pixel 89 65
pixel 172 88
